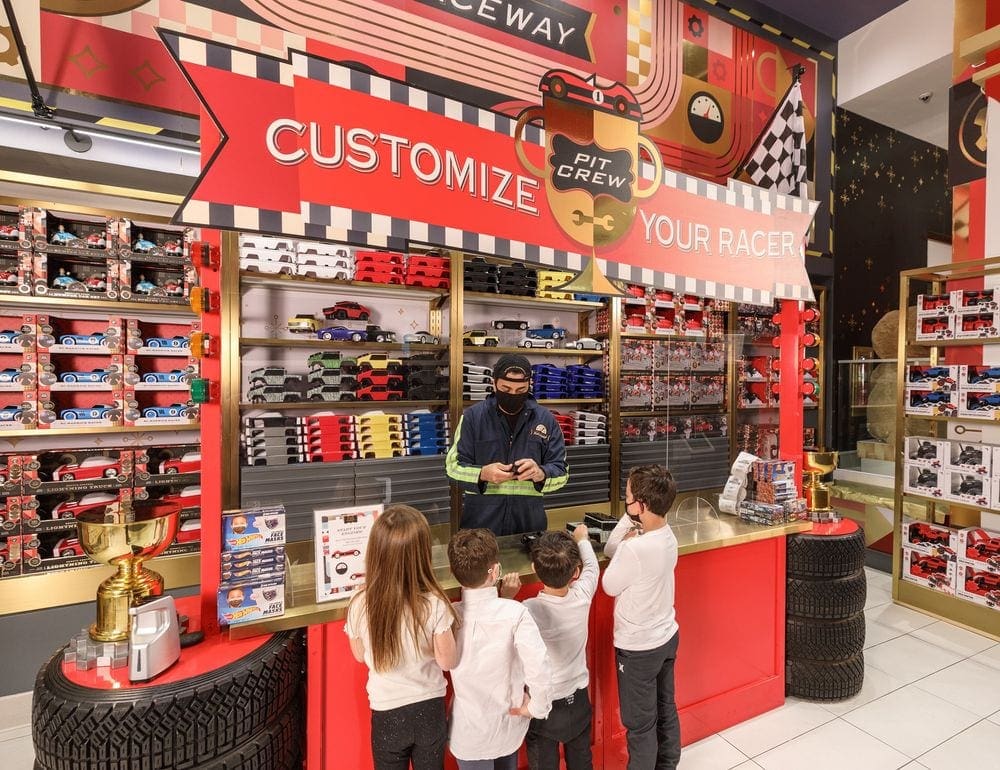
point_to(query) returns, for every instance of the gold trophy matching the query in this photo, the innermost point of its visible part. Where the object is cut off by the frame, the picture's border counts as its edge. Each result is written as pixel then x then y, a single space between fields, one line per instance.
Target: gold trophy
pixel 124 536
pixel 815 465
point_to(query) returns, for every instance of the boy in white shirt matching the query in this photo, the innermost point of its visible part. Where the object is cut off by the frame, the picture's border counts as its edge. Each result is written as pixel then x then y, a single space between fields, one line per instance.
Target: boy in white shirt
pixel 567 567
pixel 500 654
pixel 643 552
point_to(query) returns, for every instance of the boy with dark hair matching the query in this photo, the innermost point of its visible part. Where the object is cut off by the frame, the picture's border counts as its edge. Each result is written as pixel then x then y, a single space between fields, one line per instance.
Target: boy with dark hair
pixel 643 552
pixel 567 567
pixel 501 654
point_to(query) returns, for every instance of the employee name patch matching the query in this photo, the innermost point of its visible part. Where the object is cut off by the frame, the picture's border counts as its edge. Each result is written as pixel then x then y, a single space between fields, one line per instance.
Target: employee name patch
pixel 540 431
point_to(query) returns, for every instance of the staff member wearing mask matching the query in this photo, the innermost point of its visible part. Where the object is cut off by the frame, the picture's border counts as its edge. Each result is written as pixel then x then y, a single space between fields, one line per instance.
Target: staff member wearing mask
pixel 508 452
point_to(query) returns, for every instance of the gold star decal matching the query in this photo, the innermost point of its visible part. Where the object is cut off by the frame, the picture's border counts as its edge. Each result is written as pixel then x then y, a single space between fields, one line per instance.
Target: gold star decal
pixel 881 202
pixel 87 61
pixel 892 139
pixel 891 174
pixel 844 198
pixel 864 165
pixel 869 262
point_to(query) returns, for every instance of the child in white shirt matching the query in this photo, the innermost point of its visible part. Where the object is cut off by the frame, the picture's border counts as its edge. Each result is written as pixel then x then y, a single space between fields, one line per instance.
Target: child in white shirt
pixel 400 626
pixel 501 654
pixel 567 567
pixel 640 576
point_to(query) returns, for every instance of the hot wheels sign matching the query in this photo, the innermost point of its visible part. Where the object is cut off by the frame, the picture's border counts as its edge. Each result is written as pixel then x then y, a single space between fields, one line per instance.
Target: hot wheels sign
pixel 332 152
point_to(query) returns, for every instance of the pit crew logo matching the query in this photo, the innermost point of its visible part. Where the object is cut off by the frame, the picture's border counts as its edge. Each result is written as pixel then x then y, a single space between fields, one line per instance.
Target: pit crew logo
pixel 592 151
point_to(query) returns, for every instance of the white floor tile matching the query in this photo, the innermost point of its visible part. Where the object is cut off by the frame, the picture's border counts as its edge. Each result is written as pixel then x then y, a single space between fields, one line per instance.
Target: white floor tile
pixel 877 597
pixel 833 746
pixel 967 684
pixel 775 727
pixel 878 579
pixel 748 765
pixel 990 657
pixel 975 748
pixel 877 683
pixel 911 720
pixel 909 659
pixel 913 766
pixel 953 638
pixel 712 753
pixel 995 718
pixel 876 633
pixel 10 733
pixel 15 709
pixel 18 754
pixel 903 619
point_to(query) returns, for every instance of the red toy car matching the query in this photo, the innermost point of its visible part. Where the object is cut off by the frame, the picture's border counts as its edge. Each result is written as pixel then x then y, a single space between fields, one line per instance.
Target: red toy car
pixel 428 282
pixel 89 468
pixel 636 321
pixel 568 86
pixel 189 532
pixel 89 502
pixel 375 377
pixel 977 324
pixel 190 462
pixel 344 310
pixel 68 546
pixel 172 248
pixel 96 241
pixel 923 533
pixel 931 325
pixel 340 554
pixel 378 258
pixel 379 393
pixel 980 545
pixel 694 324
pixel 636 291
pixel 9 232
pixel 936 302
pixel 96 283
pixel 925 566
pixel 664 323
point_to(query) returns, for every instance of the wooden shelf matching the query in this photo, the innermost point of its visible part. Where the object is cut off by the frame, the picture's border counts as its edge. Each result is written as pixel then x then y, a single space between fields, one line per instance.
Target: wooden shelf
pixel 111 431
pixel 316 406
pixel 944 501
pixel 512 300
pixel 144 309
pixel 953 343
pixel 347 288
pixel 533 351
pixel 318 344
pixel 947 418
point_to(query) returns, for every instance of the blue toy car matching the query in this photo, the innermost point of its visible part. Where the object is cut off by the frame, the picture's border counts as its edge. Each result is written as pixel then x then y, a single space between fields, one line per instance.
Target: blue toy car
pixel 985 402
pixel 992 373
pixel 10 413
pixel 10 375
pixel 926 373
pixel 547 332
pixel 97 375
pixel 62 236
pixel 9 337
pixel 144 287
pixel 142 245
pixel 174 410
pixel 168 342
pixel 65 281
pixel 340 333
pixel 95 412
pixel 174 375
pixel 84 339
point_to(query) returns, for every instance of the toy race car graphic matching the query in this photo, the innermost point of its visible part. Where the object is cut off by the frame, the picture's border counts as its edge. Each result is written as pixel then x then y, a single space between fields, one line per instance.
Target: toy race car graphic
pixel 926 566
pixel 11 413
pixel 303 323
pixel 96 283
pixel 96 375
pixel 347 310
pixel 340 333
pixel 10 337
pixel 84 339
pixel 67 282
pixel 142 246
pixel 923 533
pixel 157 412
pixel 172 248
pixel 168 342
pixel 62 236
pixel 100 467
pixel 95 412
pixel 7 278
pixel 635 321
pixel 174 375
pixel 89 502
pixel 927 373
pixel 189 462
pixel 188 497
pixel 10 375
pixel 925 399
pixel 68 546
pixel 96 241
pixel 615 99
pixel 983 403
pixel 9 232
pixel 342 554
pixel 422 337
pixel 984 375
pixel 480 337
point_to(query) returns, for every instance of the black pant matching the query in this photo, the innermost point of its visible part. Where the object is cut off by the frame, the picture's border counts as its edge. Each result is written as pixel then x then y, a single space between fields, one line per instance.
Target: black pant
pixel 646 701
pixel 415 732
pixel 568 723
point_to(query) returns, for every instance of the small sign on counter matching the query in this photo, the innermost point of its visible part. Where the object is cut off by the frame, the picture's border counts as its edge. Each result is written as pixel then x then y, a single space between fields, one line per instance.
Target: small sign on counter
pixel 341 543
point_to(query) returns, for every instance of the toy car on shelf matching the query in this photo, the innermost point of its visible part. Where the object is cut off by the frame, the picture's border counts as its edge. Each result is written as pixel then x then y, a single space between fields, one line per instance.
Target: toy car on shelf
pixel 96 283
pixel 188 497
pixel 372 273
pixel 992 401
pixel 585 343
pixel 67 546
pixel 84 339
pixel 980 545
pixel 7 278
pixel 379 393
pixel 174 410
pixel 10 375
pixel 100 467
pixel 926 566
pixel 547 331
pixel 480 337
pixel 67 282
pixel 303 322
pixel 926 373
pixel 89 502
pixel 11 413
pixel 347 310
pixel 528 342
pixel 189 462
pixel 380 361
pixel 375 333
pixel 142 246
pixel 170 287
pixel 189 531
pixel 95 412
pixel 9 232
pixel 10 337
pixel 422 337
pixel 96 375
pixel 63 236
pixel 522 325
pixel 168 342
pixel 923 533
pixel 340 333
pixel 369 377
pixel 174 375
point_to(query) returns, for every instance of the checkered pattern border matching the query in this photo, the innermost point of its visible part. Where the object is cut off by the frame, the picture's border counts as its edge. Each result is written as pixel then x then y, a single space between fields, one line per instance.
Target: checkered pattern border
pixel 779 158
pixel 321 221
pixel 639 42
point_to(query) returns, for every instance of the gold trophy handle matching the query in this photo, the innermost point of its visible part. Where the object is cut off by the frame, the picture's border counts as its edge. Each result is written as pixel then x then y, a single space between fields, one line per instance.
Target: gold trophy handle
pixel 526 116
pixel 654 153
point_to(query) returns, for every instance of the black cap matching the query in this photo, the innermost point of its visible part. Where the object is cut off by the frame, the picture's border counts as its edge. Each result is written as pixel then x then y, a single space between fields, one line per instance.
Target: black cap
pixel 512 366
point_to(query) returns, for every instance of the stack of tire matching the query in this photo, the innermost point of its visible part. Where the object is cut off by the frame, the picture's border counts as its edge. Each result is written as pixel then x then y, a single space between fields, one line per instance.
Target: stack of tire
pixel 825 626
pixel 244 716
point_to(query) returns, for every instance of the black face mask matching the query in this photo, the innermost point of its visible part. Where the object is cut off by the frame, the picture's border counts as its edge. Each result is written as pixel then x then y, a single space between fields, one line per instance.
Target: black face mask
pixel 635 519
pixel 511 403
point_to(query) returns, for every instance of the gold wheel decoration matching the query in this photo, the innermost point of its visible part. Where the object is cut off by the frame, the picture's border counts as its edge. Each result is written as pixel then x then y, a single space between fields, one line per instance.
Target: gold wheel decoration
pixel 91 7
pixel 9 54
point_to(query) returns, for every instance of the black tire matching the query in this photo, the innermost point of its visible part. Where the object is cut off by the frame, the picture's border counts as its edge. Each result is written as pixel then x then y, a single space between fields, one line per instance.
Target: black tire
pixel 827 556
pixel 824 640
pixel 277 747
pixel 815 680
pixel 181 725
pixel 827 599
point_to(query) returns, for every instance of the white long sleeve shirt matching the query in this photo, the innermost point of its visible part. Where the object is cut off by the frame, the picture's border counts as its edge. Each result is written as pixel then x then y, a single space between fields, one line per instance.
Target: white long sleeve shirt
pixel 641 578
pixel 564 622
pixel 500 652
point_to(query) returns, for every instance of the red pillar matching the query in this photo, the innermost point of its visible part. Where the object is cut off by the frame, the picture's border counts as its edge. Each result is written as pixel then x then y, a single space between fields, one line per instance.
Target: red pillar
pixel 790 413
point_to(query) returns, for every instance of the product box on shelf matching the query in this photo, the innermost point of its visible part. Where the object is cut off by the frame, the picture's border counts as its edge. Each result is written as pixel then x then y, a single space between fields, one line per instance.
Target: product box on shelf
pixel 708 390
pixel 929 571
pixel 79 335
pixel 636 391
pixel 694 323
pixel 57 512
pixel 708 357
pixel 671 391
pixel 665 322
pixel 935 304
pixel 978 586
pixel 148 338
pixel 78 372
pixel 977 325
pixel 753 395
pixel 247 602
pixel 977 404
pixel 187 496
pixel 10 515
pixel 967 457
pixel 27 509
pixel 271 261
pixel 62 233
pixel 930 402
pixel 171 464
pixel 679 356
pixel 57 551
pixel 18 553
pixel 18 375
pixel 148 373
pixel 146 240
pixel 78 276
pixel 18 332
pixel 944 378
pixel 158 280
pixel 929 482
pixel 16 271
pixel 159 408
pixel 966 487
pixel 75 470
pixel 980 377
pixel 15 228
pixel 934 328
pixel 928 537
pixel 964 300
pixel 926 451
pixel 637 354
pixel 980 547
pixel 755 368
pixel 253 528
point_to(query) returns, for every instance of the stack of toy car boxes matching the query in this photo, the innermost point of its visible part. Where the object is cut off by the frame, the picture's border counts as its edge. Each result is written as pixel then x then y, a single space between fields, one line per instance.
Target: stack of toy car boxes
pixel 960 314
pixel 970 391
pixel 772 493
pixel 958 471
pixel 431 271
pixel 274 439
pixel 477 381
pixel 252 579
pixel 580 428
pixel 285 256
pixel 426 378
pixel 928 556
pixel 331 377
pixel 426 432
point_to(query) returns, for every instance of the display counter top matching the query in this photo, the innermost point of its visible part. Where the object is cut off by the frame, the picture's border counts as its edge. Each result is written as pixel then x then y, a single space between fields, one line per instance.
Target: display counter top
pixel 302 609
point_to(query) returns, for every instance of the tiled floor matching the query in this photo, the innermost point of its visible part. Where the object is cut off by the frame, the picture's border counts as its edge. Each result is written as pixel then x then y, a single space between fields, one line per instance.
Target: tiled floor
pixel 931 699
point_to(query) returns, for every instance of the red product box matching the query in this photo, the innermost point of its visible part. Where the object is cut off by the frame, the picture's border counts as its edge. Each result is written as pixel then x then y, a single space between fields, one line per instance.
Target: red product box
pixel 26 508
pixel 665 322
pixel 152 241
pixel 635 320
pixel 79 335
pixel 163 339
pixel 935 304
pixel 935 572
pixel 708 357
pixel 755 368
pixel 159 408
pixel 18 553
pixel 939 327
pixel 691 302
pixel 965 300
pixel 708 390
pixel 18 332
pixel 753 395
pixel 78 470
pixel 928 537
pixel 57 511
pixel 56 551
pixel 176 464
pixel 16 270
pixel 79 409
pixel 977 586
pixel 980 547
pixel 12 237
pixel 63 233
pixel 157 373
pixel 679 357
pixel 983 324
pixel 671 391
pixel 694 324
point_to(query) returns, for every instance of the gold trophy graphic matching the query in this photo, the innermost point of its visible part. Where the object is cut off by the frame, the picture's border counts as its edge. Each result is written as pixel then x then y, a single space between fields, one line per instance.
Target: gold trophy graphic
pixel 591 173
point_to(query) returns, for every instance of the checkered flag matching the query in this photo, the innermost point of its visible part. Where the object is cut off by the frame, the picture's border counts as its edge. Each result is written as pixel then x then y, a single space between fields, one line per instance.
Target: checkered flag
pixel 778 159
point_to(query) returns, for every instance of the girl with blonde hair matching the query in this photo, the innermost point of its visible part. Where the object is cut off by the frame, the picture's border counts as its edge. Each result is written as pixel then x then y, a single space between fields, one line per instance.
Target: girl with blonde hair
pixel 400 625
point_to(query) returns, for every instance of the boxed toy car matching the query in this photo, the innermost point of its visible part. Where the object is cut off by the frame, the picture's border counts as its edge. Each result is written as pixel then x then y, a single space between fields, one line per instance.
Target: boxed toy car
pixel 159 280
pixel 935 304
pixel 16 271
pixel 979 404
pixel 57 511
pixel 929 571
pixel 753 395
pixel 12 228
pixel 250 601
pixel 636 391
pixel 981 377
pixel 928 537
pixel 253 528
pixel 80 276
pixel 671 391
pixel 938 327
pixel 679 356
pixel 965 300
pixel 79 335
pixel 665 322
pixel 27 507
pixel 77 372
pixel 930 482
pixel 158 408
pixel 980 547
pixel 982 324
pixel 966 487
pixel 708 390
pixel 931 402
pixel 65 234
pixel 926 451
pixel 159 338
pixel 75 470
pixel 18 553
pixel 944 378
pixel 978 586
pixel 146 240
pixel 694 323
pixel 970 458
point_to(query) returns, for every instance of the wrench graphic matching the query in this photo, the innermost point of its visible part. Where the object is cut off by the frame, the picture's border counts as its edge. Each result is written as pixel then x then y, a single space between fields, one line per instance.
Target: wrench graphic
pixel 607 221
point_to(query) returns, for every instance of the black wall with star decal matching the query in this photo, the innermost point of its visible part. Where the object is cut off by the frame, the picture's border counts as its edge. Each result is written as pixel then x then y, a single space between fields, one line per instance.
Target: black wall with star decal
pixel 891 191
